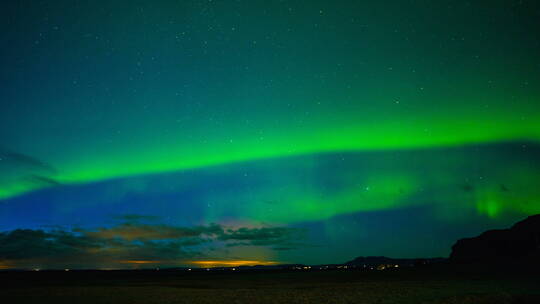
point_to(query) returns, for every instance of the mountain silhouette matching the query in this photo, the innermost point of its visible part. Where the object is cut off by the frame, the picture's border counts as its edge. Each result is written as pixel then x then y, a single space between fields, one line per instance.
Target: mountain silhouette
pixel 518 244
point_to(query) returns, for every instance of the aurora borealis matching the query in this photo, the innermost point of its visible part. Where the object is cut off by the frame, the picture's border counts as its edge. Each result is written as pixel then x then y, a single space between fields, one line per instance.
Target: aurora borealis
pixel 269 131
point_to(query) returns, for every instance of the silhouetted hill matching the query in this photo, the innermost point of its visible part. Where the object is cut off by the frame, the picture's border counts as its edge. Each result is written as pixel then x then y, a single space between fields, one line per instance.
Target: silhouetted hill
pixel 518 244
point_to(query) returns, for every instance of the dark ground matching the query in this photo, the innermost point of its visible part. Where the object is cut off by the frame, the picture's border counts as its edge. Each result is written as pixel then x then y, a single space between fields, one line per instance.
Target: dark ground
pixel 430 285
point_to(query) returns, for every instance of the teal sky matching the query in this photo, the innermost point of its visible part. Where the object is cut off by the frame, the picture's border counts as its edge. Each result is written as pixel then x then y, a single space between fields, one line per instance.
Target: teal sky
pixel 329 121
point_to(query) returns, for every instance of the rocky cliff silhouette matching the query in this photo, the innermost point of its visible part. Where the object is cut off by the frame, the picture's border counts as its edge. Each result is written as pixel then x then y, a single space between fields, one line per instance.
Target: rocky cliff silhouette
pixel 518 244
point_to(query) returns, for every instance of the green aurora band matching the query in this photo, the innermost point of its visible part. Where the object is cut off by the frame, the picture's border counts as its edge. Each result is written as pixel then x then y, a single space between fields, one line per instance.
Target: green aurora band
pixel 125 161
pixel 190 86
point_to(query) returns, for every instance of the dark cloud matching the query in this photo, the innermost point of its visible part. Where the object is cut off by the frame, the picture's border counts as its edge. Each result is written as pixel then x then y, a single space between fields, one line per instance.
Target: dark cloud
pixel 467 188
pixel 58 249
pixel 23 244
pixel 136 217
pixel 20 159
pixel 129 244
pixel 284 248
pixel 18 169
pixel 265 236
pixel 136 231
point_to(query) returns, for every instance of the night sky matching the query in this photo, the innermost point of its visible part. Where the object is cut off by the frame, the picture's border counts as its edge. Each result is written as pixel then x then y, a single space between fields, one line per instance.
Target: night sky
pixel 203 133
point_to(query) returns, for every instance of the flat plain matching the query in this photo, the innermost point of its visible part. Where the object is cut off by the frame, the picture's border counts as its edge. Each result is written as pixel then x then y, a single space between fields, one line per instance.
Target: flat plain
pixel 327 286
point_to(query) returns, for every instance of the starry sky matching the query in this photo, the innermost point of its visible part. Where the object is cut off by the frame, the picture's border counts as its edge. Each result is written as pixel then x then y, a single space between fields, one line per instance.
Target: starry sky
pixel 174 133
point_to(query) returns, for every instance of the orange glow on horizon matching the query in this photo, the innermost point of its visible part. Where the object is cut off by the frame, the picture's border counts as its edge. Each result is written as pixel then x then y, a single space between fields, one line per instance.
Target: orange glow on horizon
pixel 4 264
pixel 231 263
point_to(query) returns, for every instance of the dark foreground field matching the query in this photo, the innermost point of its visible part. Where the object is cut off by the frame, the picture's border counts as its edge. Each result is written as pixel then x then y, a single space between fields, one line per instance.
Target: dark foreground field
pixel 345 286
